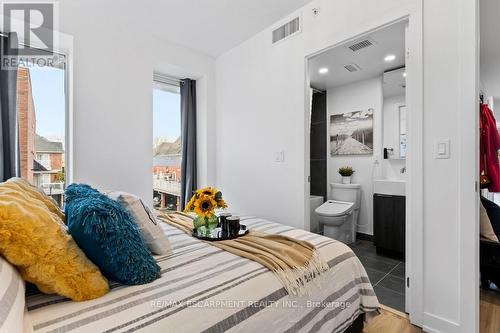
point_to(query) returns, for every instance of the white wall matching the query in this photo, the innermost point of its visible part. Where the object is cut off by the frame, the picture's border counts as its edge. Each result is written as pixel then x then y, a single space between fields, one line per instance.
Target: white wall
pixel 357 96
pixel 442 183
pixel 260 110
pixel 391 168
pixel 113 69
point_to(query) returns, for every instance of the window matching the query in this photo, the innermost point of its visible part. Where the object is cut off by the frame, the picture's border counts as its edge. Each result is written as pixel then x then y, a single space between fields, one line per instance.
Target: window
pixel 44 159
pixel 167 154
pixel 45 180
pixel 41 109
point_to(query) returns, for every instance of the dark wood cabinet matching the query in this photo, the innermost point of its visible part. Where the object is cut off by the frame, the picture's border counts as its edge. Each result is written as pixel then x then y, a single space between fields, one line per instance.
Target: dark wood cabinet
pixel 389 224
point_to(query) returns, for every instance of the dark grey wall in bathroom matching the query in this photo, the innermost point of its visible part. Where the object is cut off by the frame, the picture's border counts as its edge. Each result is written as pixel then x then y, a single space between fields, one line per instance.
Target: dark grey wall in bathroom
pixel 318 145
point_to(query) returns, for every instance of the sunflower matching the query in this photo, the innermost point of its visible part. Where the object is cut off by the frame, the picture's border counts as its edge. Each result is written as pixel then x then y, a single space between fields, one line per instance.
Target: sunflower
pixel 210 191
pixel 190 205
pixel 205 201
pixel 221 203
pixel 205 205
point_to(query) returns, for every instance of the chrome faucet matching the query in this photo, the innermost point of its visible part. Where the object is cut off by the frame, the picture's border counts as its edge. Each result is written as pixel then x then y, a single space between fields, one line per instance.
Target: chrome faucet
pixel 403 170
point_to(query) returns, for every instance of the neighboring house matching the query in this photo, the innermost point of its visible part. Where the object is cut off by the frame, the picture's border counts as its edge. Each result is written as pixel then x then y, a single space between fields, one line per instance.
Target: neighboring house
pixel 42 160
pixel 27 123
pixel 49 162
pixel 167 166
pixel 167 160
pixel 167 173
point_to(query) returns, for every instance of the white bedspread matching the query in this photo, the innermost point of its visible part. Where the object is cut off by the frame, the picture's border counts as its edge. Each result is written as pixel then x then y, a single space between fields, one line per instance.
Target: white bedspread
pixel 206 289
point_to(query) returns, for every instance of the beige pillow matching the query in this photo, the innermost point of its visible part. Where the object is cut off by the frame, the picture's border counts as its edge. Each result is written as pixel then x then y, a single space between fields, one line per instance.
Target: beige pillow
pixel 486 230
pixel 152 233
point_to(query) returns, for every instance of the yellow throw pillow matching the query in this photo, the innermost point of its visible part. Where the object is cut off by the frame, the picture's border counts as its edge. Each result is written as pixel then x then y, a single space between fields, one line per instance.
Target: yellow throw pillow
pixel 36 193
pixel 35 240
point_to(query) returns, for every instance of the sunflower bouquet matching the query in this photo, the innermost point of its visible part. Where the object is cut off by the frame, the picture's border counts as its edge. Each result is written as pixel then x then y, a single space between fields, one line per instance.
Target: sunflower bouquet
pixel 203 203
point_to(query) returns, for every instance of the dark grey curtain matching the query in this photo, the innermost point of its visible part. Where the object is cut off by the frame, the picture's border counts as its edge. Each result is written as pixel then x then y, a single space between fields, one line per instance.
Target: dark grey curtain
pixel 188 130
pixel 9 145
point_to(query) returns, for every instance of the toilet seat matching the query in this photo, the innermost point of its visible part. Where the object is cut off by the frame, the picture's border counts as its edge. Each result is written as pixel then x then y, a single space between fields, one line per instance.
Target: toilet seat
pixel 333 208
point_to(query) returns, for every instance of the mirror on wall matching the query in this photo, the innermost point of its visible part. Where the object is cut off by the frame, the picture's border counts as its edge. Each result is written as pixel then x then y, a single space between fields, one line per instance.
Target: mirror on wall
pixel 394 114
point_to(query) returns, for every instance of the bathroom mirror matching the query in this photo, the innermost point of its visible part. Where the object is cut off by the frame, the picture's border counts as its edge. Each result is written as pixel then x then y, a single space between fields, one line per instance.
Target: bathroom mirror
pixel 394 114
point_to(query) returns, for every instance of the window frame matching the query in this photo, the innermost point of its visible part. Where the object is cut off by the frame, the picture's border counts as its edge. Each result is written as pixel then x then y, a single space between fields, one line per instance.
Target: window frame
pixel 63 45
pixel 170 84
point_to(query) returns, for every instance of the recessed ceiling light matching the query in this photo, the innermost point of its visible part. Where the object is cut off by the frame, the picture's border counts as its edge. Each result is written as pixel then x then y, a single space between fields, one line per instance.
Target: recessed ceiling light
pixel 323 70
pixel 390 57
pixel 404 74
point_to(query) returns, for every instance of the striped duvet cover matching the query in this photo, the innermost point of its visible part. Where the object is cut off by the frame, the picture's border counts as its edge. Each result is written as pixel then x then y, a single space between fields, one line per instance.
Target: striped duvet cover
pixel 206 289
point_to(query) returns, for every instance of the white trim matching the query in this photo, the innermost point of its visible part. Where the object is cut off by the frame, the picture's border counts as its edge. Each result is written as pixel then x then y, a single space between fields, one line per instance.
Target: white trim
pixel 415 178
pixel 436 324
pixel 414 166
pixel 63 44
pixel 307 143
pixel 468 150
pixel 66 47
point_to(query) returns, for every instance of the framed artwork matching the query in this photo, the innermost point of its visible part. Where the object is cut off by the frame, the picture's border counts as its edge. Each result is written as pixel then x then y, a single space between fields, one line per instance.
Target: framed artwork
pixel 351 133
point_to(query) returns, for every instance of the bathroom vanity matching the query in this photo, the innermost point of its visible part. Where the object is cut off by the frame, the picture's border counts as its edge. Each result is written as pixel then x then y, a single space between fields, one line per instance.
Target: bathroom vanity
pixel 389 217
pixel 389 198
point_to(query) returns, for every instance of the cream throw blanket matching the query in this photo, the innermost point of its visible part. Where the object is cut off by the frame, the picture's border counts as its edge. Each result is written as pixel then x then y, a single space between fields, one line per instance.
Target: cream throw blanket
pixel 296 263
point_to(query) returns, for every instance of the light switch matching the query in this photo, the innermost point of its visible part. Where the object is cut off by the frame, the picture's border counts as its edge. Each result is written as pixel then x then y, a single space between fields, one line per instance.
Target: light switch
pixel 279 156
pixel 442 149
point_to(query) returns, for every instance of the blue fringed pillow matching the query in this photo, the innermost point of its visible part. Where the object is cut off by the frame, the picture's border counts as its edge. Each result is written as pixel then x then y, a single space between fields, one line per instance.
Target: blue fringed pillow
pixel 108 236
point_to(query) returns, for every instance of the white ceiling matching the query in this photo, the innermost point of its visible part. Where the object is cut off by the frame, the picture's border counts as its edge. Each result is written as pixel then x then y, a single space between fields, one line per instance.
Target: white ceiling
pixel 212 27
pixel 389 40
pixel 490 49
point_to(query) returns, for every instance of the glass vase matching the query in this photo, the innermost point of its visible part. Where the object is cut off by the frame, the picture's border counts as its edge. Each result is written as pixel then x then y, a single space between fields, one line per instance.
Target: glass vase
pixel 205 225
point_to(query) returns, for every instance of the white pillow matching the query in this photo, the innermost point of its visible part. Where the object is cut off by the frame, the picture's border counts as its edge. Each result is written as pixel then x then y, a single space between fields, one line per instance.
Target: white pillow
pixel 11 299
pixel 152 233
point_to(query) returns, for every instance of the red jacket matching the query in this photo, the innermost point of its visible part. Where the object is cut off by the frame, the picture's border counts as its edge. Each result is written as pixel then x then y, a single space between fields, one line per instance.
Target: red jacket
pixel 489 146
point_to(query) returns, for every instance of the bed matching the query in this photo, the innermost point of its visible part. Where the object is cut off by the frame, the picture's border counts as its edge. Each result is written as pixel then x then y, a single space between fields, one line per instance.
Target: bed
pixel 206 289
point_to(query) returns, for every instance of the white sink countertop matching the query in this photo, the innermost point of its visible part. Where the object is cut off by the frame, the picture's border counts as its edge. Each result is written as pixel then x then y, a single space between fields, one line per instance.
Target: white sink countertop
pixel 390 187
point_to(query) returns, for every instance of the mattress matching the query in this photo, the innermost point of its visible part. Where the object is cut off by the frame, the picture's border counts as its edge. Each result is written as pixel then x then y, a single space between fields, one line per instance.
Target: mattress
pixel 206 289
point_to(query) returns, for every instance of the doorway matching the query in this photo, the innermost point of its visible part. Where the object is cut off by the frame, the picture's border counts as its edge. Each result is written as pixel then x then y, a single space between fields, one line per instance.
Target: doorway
pixel 363 78
pixel 489 145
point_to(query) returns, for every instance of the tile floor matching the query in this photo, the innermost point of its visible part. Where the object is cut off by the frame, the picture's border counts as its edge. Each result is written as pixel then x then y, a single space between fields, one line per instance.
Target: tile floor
pixel 386 274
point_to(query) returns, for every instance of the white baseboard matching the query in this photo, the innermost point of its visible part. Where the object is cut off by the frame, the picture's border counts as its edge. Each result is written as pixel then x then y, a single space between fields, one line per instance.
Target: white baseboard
pixel 436 324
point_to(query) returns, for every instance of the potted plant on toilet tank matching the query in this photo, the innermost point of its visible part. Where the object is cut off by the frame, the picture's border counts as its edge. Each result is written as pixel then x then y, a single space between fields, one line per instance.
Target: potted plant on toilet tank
pixel 346 173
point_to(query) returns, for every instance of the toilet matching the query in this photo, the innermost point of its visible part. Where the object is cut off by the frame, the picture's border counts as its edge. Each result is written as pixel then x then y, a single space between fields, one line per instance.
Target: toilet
pixel 338 216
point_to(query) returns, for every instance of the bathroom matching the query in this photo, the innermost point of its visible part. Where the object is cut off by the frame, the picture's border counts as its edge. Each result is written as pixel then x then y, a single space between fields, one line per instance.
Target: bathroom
pixel 358 120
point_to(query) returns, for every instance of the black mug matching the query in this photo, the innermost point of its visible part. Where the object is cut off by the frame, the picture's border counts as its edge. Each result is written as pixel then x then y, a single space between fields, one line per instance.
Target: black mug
pixel 224 225
pixel 234 225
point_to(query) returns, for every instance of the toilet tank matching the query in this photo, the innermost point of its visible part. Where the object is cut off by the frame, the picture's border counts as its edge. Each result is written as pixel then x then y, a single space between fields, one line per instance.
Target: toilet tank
pixel 346 192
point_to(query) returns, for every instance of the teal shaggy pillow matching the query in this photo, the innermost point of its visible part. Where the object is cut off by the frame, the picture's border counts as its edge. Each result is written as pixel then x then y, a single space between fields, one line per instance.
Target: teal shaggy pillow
pixel 108 236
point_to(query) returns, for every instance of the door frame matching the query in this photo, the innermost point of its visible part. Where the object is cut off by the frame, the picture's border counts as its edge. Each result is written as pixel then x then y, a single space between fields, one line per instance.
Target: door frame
pixel 414 160
pixel 469 164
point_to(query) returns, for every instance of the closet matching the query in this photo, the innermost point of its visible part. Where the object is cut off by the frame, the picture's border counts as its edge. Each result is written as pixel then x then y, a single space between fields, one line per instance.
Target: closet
pixel 489 166
pixel 489 146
